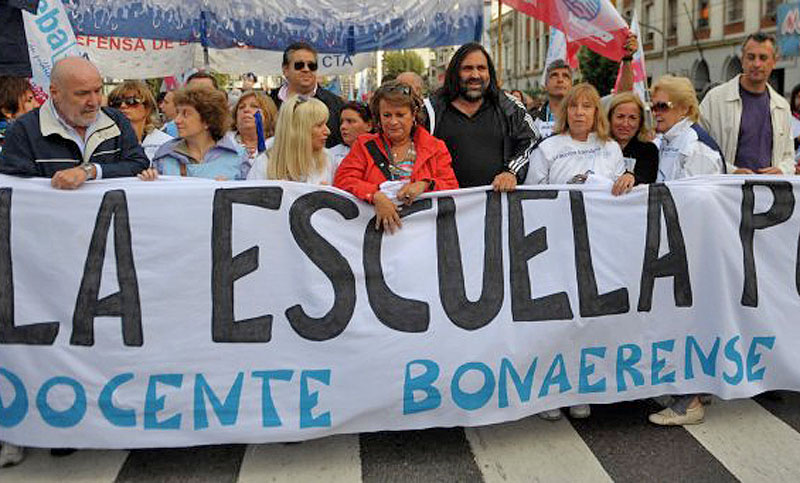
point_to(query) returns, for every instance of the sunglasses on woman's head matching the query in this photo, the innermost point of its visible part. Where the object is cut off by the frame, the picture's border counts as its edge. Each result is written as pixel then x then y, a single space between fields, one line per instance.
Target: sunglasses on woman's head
pixel 660 106
pixel 128 101
pixel 399 88
pixel 299 65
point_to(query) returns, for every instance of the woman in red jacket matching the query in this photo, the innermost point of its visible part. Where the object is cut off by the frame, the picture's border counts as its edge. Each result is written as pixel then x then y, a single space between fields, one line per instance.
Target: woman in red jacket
pixel 398 163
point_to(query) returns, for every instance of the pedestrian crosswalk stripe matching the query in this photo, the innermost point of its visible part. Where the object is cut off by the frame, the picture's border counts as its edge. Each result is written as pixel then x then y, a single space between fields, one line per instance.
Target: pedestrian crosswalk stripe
pixel 332 460
pixel 752 443
pixel 533 449
pixel 87 466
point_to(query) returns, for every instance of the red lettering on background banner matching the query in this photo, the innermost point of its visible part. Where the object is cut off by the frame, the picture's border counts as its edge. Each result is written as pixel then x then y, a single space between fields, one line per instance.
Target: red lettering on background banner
pixel 125 44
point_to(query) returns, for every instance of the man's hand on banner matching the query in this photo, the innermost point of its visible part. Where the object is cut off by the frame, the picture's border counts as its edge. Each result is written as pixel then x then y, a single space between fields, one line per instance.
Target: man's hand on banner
pixel 505 182
pixel 69 179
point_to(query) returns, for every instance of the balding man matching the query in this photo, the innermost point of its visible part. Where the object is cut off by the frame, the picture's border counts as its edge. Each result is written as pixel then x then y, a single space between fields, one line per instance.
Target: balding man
pixel 71 139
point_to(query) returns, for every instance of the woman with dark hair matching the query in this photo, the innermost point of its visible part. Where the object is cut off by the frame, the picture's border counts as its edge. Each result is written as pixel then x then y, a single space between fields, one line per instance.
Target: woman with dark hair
pixel 355 120
pixel 398 163
pixel 202 150
pixel 134 99
pixel 16 99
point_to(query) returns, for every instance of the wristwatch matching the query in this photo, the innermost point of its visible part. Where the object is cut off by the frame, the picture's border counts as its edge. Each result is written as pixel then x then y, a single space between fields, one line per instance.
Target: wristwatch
pixel 89 169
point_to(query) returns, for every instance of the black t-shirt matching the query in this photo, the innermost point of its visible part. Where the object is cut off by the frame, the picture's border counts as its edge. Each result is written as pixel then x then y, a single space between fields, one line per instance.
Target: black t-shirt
pixel 646 156
pixel 475 143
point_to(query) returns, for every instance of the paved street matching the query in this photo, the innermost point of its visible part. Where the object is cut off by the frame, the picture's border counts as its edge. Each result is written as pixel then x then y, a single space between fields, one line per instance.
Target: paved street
pixel 748 440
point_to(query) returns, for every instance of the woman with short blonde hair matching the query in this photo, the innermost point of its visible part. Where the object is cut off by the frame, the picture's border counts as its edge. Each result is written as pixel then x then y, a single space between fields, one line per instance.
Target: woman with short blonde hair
pixel 581 148
pixel 681 93
pixel 686 148
pixel 298 153
pixel 587 92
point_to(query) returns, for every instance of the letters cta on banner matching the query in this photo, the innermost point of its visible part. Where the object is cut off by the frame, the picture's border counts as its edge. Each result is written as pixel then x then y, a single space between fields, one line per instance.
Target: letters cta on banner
pixel 192 312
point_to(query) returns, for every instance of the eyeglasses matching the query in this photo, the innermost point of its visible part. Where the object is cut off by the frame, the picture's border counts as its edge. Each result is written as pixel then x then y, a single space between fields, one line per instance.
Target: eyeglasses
pixel 300 65
pixel 128 101
pixel 660 106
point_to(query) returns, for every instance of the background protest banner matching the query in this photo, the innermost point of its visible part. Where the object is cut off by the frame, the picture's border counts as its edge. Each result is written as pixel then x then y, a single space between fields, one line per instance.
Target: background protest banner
pixel 332 26
pixel 185 311
pixel 118 57
pixel 593 23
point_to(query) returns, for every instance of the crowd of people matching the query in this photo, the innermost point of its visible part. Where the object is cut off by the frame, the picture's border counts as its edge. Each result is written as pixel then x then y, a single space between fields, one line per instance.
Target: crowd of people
pixel 402 144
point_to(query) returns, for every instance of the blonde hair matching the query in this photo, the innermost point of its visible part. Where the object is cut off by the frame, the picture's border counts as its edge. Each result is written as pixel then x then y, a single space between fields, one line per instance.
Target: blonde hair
pixel 138 89
pixel 588 92
pixel 292 157
pixel 267 106
pixel 625 98
pixel 680 92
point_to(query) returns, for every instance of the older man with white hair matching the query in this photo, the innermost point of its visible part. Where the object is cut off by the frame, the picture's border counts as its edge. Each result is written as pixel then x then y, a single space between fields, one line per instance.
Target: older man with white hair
pixel 71 138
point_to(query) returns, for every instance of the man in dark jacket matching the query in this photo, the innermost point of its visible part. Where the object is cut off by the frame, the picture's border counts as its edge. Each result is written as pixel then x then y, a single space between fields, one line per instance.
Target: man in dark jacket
pixel 300 70
pixel 71 139
pixel 489 134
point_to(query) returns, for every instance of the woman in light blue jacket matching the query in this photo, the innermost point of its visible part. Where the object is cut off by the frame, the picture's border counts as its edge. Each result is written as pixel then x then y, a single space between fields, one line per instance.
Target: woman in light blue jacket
pixel 203 150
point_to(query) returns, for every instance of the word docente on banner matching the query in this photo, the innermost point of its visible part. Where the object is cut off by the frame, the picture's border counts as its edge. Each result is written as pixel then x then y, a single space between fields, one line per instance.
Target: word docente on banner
pixel 195 312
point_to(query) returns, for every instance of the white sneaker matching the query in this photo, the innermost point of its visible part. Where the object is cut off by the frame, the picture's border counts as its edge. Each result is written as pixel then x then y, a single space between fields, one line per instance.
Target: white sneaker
pixel 581 411
pixel 550 415
pixel 11 455
pixel 668 417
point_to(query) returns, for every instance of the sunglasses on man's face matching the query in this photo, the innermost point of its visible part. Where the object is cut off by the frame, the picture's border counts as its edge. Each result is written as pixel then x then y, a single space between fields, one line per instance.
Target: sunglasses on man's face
pixel 128 101
pixel 300 65
pixel 660 106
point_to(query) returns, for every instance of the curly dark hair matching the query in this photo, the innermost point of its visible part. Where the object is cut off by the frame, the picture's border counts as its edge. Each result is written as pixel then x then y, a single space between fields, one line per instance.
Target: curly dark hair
pixel 398 94
pixel 11 91
pixel 211 104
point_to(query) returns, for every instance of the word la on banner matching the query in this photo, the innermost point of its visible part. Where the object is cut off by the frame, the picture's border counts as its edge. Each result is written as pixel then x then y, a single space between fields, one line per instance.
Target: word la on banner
pixel 593 23
pixel 186 311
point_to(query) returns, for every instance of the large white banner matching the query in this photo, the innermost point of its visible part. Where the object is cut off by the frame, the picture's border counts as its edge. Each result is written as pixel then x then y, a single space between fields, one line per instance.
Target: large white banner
pixel 184 311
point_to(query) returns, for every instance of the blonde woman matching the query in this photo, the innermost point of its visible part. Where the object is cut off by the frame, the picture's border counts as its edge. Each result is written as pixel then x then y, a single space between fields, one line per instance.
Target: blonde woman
pixel 626 117
pixel 582 148
pixel 134 99
pixel 686 148
pixel 298 153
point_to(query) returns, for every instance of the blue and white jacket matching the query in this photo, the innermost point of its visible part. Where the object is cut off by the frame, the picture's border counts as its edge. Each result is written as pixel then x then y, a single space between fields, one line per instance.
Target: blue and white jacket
pixel 687 150
pixel 225 160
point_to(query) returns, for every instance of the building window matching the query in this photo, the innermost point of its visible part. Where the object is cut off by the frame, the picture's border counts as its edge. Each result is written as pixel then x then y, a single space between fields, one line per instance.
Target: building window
pixel 769 9
pixel 647 20
pixel 734 11
pixel 703 8
pixel 672 19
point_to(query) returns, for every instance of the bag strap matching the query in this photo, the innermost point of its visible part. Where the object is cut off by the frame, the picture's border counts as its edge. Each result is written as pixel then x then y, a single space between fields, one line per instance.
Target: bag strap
pixel 379 159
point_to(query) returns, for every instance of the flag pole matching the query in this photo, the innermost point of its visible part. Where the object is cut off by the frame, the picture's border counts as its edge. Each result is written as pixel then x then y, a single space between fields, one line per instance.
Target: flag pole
pixel 500 38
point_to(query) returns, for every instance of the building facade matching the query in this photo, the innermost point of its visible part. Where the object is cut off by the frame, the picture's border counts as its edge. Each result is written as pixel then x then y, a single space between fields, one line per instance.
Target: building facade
pixel 698 39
